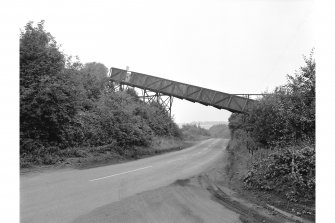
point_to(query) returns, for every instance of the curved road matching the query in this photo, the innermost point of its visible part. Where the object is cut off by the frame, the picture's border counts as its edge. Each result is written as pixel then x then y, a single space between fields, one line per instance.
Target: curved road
pixel 63 196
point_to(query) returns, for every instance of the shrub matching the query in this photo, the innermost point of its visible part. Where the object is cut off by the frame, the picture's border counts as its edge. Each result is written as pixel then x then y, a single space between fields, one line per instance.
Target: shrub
pixel 283 124
pixel 289 171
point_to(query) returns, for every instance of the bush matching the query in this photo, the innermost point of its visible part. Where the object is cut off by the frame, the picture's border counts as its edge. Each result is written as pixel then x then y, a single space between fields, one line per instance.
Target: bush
pixel 289 172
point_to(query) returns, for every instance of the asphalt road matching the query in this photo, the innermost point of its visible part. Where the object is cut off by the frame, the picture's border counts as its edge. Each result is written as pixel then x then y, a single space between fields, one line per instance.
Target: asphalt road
pixel 65 195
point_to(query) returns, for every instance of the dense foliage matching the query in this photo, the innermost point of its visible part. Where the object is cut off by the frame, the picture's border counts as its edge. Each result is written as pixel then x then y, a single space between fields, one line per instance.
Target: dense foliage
pixel 290 171
pixel 219 131
pixel 284 124
pixel 194 132
pixel 65 104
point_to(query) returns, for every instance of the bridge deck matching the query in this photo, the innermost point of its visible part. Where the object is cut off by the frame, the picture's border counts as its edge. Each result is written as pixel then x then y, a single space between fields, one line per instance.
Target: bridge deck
pixel 179 90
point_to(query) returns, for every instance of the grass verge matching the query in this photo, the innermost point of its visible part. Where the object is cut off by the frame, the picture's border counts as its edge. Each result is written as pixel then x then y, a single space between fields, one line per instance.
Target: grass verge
pixel 84 158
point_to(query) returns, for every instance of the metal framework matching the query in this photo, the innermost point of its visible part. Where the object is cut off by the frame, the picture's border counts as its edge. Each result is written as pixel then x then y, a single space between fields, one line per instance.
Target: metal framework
pixel 250 96
pixel 162 87
pixel 164 100
pixel 148 96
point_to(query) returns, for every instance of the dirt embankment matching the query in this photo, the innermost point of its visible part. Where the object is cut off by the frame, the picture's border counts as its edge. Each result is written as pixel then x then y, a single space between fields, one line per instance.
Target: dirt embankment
pixel 239 161
pixel 224 183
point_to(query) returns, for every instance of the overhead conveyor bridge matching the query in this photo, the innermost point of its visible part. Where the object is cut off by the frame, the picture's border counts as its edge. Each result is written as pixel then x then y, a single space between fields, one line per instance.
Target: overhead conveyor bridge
pixel 208 97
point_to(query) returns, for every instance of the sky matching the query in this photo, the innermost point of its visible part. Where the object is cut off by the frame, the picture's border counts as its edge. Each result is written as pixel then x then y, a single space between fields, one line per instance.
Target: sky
pixel 235 46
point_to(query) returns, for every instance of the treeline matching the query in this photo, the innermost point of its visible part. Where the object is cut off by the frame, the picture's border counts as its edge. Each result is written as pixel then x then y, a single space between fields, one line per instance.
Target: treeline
pixel 194 132
pixel 66 105
pixel 280 133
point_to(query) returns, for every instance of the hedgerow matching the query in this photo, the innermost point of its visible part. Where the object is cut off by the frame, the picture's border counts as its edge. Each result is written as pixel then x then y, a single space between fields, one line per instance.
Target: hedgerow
pixel 283 123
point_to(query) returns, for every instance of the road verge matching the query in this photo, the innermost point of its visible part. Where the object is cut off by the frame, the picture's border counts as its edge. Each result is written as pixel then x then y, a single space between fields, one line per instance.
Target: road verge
pixel 85 158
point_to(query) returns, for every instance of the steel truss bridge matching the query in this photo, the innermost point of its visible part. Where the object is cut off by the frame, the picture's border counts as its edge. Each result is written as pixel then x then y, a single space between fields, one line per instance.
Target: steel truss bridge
pixel 162 91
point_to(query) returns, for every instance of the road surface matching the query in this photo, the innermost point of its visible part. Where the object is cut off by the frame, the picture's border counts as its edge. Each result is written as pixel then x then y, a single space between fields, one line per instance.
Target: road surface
pixel 65 195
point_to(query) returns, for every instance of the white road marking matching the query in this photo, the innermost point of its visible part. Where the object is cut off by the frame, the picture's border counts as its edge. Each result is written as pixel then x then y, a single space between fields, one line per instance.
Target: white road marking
pixel 121 173
pixel 170 161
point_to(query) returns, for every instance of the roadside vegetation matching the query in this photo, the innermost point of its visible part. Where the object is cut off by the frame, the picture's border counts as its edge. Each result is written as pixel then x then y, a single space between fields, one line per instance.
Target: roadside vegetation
pixel 70 112
pixel 194 132
pixel 220 131
pixel 272 150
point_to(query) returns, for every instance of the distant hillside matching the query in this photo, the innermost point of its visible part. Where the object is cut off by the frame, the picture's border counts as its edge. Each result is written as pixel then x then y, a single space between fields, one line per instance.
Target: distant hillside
pixel 220 131
pixel 194 132
pixel 204 124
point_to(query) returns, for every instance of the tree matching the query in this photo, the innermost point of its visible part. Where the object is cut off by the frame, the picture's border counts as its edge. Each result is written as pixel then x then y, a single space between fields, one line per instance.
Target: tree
pixel 285 117
pixel 47 94
pixel 301 89
pixel 39 56
pixel 65 105
pixel 93 77
pixel 97 70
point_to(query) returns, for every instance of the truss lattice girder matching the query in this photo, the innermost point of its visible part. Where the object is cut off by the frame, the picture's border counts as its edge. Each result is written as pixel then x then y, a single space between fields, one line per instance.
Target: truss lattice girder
pixel 179 90
pixel 165 100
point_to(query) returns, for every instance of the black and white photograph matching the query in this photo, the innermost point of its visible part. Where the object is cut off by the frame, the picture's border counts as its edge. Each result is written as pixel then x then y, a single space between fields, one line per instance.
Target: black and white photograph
pixel 165 111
